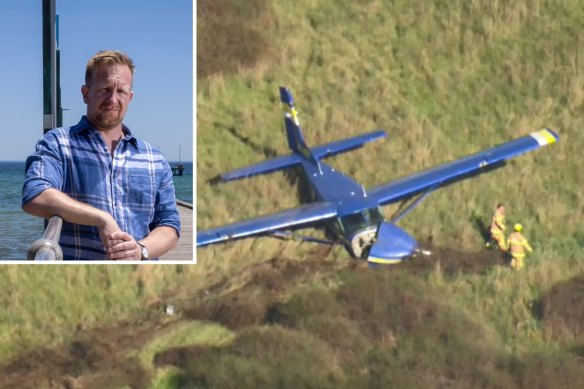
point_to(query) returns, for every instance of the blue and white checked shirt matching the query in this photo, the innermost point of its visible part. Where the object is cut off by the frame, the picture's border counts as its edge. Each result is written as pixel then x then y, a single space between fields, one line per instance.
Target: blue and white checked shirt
pixel 135 187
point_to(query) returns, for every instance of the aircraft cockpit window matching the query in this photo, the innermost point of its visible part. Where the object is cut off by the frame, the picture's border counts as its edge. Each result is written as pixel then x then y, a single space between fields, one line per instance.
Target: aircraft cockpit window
pixel 353 223
pixel 361 220
pixel 374 215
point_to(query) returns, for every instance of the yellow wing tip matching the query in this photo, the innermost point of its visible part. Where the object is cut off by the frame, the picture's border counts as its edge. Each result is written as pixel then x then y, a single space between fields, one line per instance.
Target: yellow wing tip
pixel 544 137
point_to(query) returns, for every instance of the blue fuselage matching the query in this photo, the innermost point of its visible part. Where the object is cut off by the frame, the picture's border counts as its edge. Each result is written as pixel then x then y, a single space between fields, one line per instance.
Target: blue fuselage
pixel 359 216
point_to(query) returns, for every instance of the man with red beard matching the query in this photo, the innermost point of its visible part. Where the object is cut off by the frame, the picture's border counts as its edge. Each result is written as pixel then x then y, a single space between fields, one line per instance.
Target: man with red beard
pixel 113 191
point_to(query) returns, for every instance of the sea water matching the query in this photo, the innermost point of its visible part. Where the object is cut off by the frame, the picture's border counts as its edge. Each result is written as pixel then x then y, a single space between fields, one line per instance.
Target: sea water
pixel 18 229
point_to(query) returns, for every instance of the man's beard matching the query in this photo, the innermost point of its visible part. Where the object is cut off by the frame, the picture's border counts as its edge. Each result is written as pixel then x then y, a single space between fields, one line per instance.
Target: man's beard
pixel 104 121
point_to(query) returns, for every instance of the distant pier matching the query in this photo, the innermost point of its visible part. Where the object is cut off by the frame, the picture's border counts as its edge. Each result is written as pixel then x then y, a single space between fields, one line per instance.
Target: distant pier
pixel 177 170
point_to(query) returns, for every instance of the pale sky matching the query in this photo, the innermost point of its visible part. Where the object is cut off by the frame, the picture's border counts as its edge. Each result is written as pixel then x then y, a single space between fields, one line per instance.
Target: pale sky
pixel 159 38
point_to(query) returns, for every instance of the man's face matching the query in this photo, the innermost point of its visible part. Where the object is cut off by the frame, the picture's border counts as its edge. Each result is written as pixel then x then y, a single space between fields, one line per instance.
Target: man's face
pixel 108 95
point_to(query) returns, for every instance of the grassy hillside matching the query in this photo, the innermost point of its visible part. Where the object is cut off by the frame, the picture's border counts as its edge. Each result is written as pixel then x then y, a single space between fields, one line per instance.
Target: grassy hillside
pixel 445 79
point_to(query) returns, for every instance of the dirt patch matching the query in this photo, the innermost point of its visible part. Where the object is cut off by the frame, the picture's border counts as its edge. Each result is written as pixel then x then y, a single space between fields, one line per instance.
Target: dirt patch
pixel 96 358
pixel 259 287
pixel 452 262
pixel 180 356
pixel 231 35
pixel 562 312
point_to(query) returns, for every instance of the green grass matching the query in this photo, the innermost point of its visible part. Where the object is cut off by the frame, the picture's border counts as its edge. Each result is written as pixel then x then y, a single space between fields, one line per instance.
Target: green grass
pixel 168 379
pixel 185 334
pixel 444 82
pixel 445 79
pixel 45 303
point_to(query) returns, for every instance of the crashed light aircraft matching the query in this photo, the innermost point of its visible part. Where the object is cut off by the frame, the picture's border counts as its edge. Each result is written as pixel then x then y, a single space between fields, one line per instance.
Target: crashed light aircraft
pixel 351 214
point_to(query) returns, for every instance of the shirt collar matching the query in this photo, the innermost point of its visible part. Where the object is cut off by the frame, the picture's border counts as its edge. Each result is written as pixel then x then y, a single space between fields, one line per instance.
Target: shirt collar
pixel 84 124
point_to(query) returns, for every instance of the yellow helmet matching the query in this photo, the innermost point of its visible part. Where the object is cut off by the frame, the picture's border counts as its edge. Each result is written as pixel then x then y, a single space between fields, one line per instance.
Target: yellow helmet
pixel 518 227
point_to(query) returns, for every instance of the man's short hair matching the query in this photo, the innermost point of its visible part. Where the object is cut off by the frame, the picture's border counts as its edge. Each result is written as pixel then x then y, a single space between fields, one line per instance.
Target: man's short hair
pixel 107 57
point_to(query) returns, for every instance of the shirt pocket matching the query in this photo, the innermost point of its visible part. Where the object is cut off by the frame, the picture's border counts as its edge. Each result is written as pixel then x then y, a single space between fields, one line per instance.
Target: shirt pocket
pixel 142 191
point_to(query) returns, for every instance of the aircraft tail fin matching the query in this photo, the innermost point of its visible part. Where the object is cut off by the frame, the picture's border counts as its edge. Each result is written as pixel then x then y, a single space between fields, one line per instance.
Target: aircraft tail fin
pixel 295 139
pixel 300 151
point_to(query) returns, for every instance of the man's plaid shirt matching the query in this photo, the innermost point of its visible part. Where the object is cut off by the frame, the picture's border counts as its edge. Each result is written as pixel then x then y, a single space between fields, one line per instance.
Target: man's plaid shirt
pixel 135 186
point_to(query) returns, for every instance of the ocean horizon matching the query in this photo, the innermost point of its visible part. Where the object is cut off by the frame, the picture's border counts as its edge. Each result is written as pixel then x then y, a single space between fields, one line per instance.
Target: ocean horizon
pixel 19 229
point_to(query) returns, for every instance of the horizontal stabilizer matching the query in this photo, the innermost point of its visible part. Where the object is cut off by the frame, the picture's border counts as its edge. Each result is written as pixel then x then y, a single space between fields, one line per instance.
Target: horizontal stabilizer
pixel 344 145
pixel 472 165
pixel 267 166
pixel 290 218
pixel 286 161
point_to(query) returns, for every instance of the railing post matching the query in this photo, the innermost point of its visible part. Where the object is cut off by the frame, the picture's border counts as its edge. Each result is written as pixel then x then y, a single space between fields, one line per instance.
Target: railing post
pixel 47 248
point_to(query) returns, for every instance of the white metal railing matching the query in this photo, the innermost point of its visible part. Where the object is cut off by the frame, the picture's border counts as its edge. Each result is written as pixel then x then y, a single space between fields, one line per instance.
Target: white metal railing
pixel 47 248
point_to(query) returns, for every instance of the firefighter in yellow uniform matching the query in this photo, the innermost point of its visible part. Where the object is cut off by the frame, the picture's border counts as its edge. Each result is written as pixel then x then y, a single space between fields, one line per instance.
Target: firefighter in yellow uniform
pixel 517 247
pixel 498 228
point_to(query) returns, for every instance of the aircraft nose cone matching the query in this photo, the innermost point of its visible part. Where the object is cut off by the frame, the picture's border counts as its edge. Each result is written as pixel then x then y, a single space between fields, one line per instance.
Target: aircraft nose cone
pixel 392 245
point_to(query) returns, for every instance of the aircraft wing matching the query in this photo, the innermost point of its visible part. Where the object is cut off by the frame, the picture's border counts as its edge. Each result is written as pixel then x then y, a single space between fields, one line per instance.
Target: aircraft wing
pixel 472 165
pixel 293 217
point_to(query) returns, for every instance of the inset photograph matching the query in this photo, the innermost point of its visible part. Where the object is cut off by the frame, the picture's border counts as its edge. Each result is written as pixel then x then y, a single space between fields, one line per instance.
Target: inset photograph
pixel 112 172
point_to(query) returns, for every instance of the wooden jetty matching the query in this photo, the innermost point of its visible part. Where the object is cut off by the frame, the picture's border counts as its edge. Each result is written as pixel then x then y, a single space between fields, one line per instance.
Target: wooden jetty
pixel 184 248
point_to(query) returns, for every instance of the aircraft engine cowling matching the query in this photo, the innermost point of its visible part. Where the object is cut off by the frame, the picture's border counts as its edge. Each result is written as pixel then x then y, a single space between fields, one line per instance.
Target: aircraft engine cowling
pixel 392 245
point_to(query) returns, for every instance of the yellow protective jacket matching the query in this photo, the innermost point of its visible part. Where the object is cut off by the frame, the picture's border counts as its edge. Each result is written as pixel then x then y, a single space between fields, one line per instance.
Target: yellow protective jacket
pixel 518 244
pixel 498 222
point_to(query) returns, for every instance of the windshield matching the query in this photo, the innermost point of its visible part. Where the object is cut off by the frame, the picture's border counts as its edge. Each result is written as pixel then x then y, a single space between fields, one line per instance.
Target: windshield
pixel 359 221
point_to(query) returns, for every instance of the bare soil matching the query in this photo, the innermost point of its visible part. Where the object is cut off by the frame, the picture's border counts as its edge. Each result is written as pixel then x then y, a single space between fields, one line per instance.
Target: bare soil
pixel 452 262
pixel 95 358
pixel 560 310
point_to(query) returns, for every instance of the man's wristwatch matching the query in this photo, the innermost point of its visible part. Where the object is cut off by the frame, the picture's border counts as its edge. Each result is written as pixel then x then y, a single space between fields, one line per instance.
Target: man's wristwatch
pixel 143 251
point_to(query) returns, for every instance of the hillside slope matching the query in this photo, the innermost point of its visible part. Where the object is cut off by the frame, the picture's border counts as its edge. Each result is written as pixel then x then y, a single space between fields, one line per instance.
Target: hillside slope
pixel 445 79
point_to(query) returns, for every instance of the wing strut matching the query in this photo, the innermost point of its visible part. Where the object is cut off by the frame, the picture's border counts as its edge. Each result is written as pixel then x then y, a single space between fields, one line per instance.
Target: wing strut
pixel 287 235
pixel 413 205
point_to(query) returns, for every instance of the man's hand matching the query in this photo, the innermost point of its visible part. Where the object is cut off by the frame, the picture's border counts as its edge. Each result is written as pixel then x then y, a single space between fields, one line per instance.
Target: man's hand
pixel 107 227
pixel 121 245
pixel 118 244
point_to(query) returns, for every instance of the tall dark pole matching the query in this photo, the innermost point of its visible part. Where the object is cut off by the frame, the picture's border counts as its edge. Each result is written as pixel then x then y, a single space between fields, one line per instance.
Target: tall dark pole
pixel 51 93
pixel 52 113
pixel 58 88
